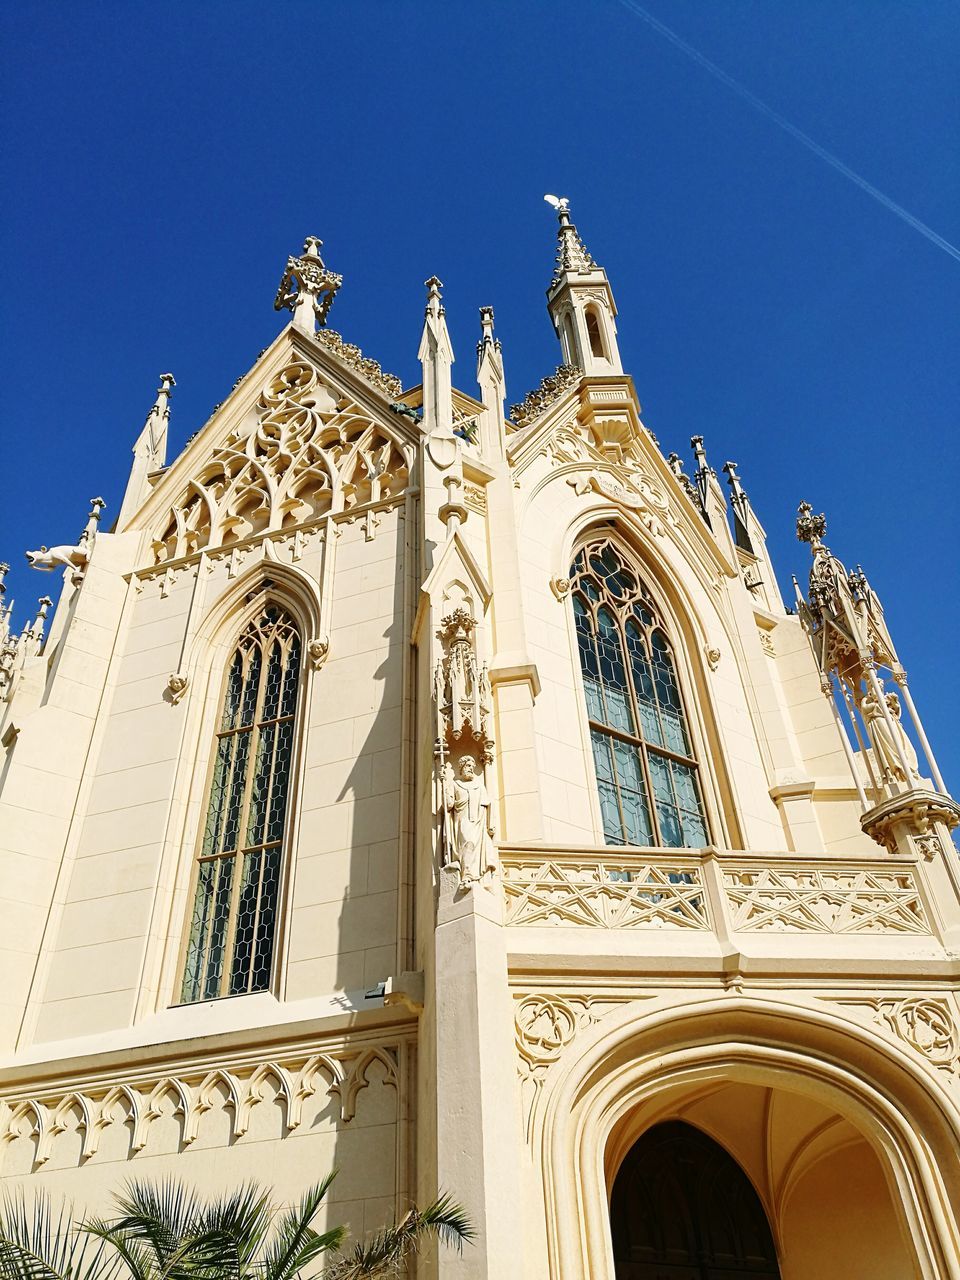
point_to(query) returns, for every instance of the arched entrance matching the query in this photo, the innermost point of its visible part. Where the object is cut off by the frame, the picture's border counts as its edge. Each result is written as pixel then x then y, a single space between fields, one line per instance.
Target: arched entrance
pixel 683 1209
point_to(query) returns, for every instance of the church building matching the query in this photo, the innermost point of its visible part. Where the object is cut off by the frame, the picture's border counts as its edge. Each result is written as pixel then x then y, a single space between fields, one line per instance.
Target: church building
pixel 443 792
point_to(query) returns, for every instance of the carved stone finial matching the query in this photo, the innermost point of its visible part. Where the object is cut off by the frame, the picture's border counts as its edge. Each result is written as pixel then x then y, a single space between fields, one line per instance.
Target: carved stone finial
pixel 4 570
pixel 733 480
pixel 307 287
pixel 36 628
pixel 434 296
pixel 810 528
pixel 572 254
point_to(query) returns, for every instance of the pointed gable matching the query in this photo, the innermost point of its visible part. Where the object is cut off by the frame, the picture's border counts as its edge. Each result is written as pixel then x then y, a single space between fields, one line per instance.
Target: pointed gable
pixel 307 432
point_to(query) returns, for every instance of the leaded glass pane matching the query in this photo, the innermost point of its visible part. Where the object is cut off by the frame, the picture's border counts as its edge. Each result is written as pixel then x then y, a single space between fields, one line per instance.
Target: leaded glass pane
pixel 633 793
pixel 609 805
pixel 588 660
pixel 613 673
pixel 230 942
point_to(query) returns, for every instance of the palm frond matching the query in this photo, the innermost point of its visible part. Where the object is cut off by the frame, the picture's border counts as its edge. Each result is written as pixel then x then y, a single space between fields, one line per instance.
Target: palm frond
pixel 158 1216
pixel 40 1243
pixel 294 1243
pixel 384 1253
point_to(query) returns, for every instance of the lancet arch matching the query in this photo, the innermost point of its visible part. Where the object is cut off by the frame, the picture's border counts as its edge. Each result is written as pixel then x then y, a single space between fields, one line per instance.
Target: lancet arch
pixel 628 1073
pixel 664 627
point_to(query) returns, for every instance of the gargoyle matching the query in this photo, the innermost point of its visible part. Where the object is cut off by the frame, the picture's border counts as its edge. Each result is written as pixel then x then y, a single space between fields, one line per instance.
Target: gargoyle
pixel 51 557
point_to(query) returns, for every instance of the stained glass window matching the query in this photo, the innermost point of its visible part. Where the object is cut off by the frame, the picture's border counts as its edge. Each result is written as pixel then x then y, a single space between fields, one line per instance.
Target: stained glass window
pixel 647 775
pixel 230 942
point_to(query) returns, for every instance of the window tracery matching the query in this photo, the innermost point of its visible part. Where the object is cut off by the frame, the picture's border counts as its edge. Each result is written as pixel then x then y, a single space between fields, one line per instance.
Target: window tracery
pixel 647 773
pixel 230 942
pixel 308 454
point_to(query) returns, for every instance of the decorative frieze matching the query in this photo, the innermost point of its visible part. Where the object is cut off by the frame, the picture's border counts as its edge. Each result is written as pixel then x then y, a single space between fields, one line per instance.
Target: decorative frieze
pixel 662 894
pixel 138 1100
pixel 811 899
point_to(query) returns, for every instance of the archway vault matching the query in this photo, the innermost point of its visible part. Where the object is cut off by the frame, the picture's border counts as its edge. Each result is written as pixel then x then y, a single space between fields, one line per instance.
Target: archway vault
pixel 635 1069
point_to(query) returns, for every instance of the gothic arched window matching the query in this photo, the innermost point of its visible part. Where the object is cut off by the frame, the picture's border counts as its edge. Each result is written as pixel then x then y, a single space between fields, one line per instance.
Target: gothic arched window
pixel 230 942
pixel 646 770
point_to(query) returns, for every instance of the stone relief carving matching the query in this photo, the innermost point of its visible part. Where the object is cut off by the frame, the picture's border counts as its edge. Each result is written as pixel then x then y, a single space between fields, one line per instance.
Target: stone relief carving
pixel 545 1025
pixel 635 496
pixel 712 655
pixel 176 686
pixel 925 1023
pixel 317 651
pixel 648 895
pixel 141 1100
pixel 820 900
pixel 309 453
pixel 464 747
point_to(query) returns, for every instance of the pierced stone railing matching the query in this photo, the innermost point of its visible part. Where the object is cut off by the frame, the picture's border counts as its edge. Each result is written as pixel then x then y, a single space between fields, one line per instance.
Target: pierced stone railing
pixel 619 891
pixel 727 892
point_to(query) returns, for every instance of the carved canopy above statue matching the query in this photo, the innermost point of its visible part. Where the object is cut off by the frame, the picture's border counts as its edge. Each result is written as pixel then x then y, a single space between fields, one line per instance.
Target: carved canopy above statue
pixel 310 452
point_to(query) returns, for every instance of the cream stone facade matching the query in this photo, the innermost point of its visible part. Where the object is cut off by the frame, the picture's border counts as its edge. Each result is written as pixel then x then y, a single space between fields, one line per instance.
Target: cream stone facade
pixel 448 796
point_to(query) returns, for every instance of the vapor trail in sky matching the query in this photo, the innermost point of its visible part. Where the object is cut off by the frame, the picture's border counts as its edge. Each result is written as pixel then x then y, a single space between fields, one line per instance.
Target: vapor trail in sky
pixel 792 129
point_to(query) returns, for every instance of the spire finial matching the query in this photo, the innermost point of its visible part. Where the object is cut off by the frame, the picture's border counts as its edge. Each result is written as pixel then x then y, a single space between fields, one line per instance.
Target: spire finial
pixel 93 520
pixel 4 570
pixel 308 288
pixel 434 296
pixel 486 324
pixel 36 629
pixel 572 254
pixel 733 480
pixel 810 528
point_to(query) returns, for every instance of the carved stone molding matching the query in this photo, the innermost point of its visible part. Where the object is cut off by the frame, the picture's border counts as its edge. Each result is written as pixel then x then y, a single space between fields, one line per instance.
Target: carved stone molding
pixel 810 899
pixel 138 1100
pixel 354 358
pixel 550 389
pixel 633 894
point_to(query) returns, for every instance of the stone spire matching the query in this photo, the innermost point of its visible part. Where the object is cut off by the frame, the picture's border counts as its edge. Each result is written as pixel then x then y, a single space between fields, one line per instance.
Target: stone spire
pixel 580 302
pixel 308 288
pixel 741 509
pixel 436 357
pixel 492 388
pixel 149 452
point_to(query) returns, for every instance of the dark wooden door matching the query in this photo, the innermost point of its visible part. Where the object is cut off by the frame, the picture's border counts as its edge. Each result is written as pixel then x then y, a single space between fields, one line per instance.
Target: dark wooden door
pixel 683 1209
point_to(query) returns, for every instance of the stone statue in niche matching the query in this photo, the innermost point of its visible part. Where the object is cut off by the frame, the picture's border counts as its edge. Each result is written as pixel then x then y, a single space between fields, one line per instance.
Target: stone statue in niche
pixel 468 828
pixel 464 750
pixel 886 747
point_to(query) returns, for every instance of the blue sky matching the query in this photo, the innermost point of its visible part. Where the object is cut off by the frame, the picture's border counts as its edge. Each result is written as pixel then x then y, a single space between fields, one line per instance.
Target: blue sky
pixel 161 161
